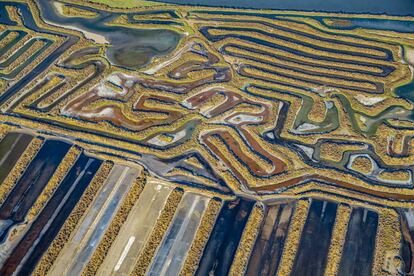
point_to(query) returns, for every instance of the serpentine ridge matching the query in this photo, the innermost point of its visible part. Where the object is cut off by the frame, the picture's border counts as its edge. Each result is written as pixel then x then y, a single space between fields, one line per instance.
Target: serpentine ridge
pixel 241 140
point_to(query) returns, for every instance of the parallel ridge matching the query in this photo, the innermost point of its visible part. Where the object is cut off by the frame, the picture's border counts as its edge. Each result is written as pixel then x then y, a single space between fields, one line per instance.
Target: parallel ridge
pixel 288 53
pixel 122 221
pixel 253 91
pixel 320 237
pixel 18 51
pixel 27 48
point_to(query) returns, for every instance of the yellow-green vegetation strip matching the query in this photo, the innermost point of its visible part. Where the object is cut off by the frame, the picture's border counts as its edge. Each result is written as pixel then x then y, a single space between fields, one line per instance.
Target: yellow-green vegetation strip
pixel 4 129
pixel 8 39
pixel 70 224
pixel 148 252
pixel 76 12
pixel 19 168
pixel 293 238
pixel 201 237
pixel 247 241
pixel 116 224
pixel 387 245
pixel 338 238
pixel 14 14
pixel 120 4
pixel 60 173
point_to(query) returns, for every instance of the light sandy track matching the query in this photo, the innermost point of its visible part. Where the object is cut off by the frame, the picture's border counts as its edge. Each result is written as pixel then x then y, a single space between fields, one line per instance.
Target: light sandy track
pixel 176 243
pixel 130 240
pixel 81 246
